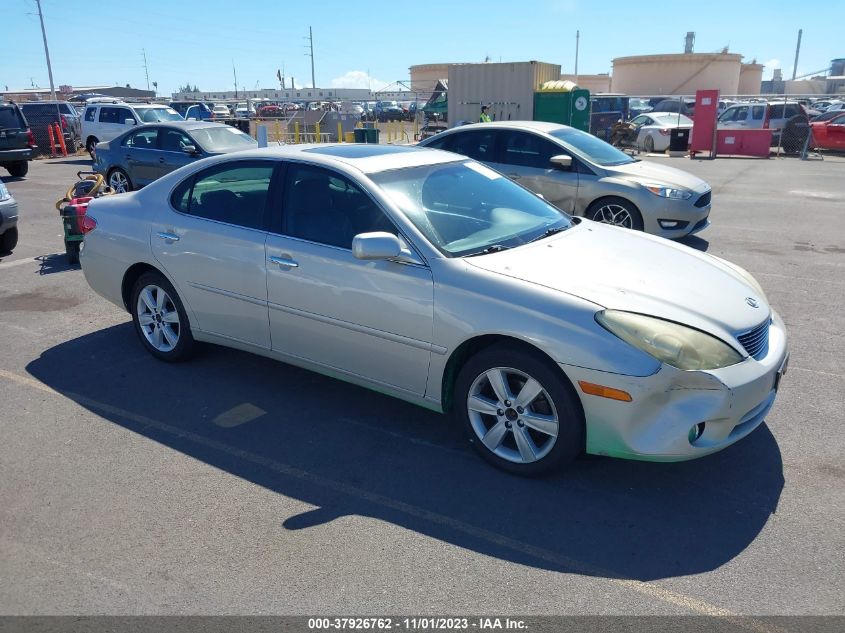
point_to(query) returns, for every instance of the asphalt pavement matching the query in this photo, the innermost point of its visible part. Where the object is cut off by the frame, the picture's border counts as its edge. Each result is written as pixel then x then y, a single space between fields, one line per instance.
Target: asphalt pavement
pixel 233 484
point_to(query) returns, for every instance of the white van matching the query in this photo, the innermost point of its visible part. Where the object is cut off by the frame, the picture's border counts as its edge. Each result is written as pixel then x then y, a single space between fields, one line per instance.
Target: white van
pixel 105 119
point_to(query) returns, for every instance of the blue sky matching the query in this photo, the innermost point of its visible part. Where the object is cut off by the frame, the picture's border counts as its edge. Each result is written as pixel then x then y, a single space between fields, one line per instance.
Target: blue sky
pixel 197 41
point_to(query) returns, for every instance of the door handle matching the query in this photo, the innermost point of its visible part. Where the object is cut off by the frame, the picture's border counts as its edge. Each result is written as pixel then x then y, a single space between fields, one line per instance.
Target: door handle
pixel 129 157
pixel 514 176
pixel 283 261
pixel 161 160
pixel 170 237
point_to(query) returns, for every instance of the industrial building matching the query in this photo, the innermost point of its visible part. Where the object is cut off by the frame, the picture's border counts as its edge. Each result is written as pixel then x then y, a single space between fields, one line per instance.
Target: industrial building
pixel 65 92
pixel 684 73
pixel 296 95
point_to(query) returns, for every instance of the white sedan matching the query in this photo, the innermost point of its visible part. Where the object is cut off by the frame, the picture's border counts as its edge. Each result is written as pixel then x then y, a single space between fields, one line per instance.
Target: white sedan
pixel 655 128
pixel 433 278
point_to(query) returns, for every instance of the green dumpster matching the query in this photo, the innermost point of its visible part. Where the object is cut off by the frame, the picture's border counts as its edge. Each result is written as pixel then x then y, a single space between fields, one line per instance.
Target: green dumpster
pixel 366 135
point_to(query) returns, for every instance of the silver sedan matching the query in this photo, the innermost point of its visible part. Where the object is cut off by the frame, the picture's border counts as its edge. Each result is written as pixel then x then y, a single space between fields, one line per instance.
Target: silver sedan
pixel 585 176
pixel 435 279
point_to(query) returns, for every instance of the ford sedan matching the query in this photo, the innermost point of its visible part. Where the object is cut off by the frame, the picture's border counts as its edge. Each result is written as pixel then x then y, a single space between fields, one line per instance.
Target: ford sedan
pixel 433 278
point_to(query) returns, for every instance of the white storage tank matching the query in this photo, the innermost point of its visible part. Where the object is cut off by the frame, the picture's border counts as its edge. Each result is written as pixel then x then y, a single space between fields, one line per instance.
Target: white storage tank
pixel 506 88
pixel 676 74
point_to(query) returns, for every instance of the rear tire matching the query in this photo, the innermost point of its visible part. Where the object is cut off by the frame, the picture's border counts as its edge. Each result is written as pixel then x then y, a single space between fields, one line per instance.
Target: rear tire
pixel 525 433
pixel 160 319
pixel 18 169
pixel 648 145
pixel 9 240
pixel 119 181
pixel 72 252
pixel 91 148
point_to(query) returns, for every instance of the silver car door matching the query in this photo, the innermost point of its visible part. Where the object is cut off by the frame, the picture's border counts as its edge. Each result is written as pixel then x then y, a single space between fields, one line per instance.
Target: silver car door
pixel 210 240
pixel 525 157
pixel 372 319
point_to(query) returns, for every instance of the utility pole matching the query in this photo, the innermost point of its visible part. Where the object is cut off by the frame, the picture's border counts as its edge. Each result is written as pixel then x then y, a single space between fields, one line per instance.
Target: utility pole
pixel 235 73
pixel 577 45
pixel 46 51
pixel 146 70
pixel 797 50
pixel 311 54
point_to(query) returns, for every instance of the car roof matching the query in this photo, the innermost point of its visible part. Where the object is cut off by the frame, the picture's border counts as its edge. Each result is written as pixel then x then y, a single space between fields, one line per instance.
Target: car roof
pixel 537 126
pixel 186 125
pixel 366 158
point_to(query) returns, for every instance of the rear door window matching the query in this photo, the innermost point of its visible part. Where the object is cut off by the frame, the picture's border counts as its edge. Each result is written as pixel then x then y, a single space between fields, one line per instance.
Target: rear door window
pixel 234 193
pixel 109 115
pixel 527 150
pixel 146 138
pixel 757 112
pixel 89 113
pixel 478 145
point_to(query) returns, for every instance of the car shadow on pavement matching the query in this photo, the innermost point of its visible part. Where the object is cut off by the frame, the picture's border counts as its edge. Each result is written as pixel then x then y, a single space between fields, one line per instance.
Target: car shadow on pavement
pixel 351 451
pixel 69 161
pixel 54 263
pixel 693 241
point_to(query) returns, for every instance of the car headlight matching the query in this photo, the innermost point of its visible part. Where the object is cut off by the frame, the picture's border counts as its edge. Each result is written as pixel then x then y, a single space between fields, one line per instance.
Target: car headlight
pixel 739 270
pixel 677 345
pixel 668 192
pixel 4 193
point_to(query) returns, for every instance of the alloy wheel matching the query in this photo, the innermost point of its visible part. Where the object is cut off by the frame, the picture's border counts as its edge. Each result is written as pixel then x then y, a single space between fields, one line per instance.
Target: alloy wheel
pixel 119 182
pixel 614 214
pixel 158 318
pixel 513 415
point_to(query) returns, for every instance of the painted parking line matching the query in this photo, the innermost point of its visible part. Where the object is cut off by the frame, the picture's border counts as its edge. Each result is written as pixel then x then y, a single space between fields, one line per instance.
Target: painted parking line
pixel 649 589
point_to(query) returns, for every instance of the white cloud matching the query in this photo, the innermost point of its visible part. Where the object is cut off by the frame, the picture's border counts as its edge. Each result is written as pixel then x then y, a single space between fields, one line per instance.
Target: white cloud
pixel 358 79
pixel 771 64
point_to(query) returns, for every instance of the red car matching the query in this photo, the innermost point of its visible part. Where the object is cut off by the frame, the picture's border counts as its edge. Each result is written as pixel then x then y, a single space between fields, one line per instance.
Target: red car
pixel 829 134
pixel 270 112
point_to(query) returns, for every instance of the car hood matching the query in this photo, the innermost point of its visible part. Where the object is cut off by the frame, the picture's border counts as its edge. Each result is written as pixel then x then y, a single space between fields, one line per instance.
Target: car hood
pixel 646 171
pixel 621 269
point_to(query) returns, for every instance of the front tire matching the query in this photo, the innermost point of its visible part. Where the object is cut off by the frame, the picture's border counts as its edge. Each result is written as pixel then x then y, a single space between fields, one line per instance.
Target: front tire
pixel 119 181
pixel 9 240
pixel 617 212
pixel 160 319
pixel 519 412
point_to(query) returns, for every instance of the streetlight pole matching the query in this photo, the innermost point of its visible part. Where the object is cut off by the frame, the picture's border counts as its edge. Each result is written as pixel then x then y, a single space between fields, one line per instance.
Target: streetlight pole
pixel 46 51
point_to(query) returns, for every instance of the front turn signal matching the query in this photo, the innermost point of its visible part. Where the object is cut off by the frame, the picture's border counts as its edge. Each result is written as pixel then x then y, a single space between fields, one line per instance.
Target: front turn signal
pixel 604 392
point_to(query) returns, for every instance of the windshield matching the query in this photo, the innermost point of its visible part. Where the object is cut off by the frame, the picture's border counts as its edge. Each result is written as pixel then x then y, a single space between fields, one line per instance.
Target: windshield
pixel 465 208
pixel 593 149
pixel 224 138
pixel 154 115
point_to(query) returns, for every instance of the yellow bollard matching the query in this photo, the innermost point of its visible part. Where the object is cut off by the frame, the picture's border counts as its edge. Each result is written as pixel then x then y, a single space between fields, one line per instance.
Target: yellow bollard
pixel 416 129
pixel 296 132
pixel 317 128
pixel 278 132
pixel 389 132
pixel 339 132
pixel 402 138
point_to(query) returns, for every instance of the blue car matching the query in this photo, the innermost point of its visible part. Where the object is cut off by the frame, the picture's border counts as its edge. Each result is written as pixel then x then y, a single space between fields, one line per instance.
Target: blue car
pixel 147 152
pixel 192 110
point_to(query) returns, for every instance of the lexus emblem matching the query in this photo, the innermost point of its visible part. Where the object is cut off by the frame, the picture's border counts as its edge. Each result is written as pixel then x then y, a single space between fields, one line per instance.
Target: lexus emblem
pixel 752 302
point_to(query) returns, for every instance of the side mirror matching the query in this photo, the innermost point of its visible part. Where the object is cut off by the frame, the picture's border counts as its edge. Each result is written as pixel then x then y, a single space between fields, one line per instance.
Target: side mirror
pixel 562 161
pixel 377 245
pixel 190 149
pixel 129 122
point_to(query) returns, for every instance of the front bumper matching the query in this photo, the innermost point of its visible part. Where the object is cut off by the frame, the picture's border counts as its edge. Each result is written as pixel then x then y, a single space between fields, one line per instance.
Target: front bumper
pixel 676 218
pixel 656 424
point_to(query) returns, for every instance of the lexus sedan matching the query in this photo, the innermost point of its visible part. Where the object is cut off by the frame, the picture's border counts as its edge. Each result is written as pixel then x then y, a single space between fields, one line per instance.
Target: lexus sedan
pixel 433 278
pixel 585 176
pixel 144 153
pixel 654 129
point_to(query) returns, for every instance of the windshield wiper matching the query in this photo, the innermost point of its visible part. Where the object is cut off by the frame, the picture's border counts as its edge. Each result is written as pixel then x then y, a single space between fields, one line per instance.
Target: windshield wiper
pixel 549 232
pixel 493 248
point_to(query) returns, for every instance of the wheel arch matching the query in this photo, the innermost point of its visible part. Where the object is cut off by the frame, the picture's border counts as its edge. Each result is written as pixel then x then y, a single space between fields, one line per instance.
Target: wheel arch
pixel 472 346
pixel 90 138
pixel 132 274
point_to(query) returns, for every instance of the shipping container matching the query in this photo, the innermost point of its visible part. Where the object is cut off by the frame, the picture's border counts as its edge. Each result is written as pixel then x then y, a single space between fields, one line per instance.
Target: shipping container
pixel 507 89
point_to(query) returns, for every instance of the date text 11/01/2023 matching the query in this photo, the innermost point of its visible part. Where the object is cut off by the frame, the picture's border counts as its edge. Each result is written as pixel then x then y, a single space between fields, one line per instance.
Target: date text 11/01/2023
pixel 415 624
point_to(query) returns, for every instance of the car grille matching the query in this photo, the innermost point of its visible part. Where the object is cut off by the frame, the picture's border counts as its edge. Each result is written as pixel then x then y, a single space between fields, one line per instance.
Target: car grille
pixel 756 341
pixel 704 200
